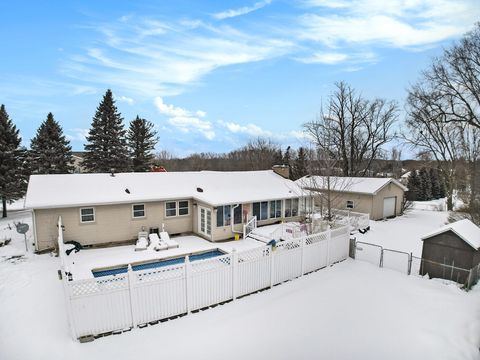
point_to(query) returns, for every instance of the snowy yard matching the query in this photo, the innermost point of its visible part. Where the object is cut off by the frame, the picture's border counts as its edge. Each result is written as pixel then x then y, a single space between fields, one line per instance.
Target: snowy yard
pixel 404 232
pixel 350 310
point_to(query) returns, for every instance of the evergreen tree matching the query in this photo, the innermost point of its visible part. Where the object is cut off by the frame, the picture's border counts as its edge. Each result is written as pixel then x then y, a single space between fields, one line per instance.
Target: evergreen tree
pixel 106 149
pixel 414 184
pixel 425 192
pixel 300 165
pixel 442 185
pixel 13 174
pixel 50 152
pixel 435 181
pixel 142 139
pixel 287 160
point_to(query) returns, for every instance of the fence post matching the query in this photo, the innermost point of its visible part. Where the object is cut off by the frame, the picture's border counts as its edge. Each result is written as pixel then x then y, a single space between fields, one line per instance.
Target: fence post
pixel 381 257
pixel 234 273
pixel 469 279
pixel 272 266
pixel 302 259
pixel 188 299
pixel 68 303
pixel 329 237
pixel 410 259
pixel 131 281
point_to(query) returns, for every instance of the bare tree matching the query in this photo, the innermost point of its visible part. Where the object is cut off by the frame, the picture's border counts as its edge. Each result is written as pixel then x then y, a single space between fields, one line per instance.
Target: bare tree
pixel 454 78
pixel 358 128
pixel 428 132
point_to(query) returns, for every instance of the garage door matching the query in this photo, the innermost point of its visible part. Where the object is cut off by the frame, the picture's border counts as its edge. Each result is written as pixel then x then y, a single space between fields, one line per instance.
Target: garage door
pixel 388 207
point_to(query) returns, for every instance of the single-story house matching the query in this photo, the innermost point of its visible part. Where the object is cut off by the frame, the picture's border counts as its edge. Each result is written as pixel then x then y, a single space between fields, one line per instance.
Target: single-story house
pixel 109 208
pixel 456 244
pixel 379 197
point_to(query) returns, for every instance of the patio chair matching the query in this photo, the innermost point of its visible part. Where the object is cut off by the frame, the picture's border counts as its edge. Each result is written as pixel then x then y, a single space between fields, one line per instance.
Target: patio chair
pixel 166 239
pixel 142 242
pixel 156 243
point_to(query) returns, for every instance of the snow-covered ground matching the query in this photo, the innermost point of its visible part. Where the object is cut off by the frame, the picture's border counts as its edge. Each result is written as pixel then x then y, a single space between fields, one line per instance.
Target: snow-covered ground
pixel 404 232
pixel 15 206
pixel 352 310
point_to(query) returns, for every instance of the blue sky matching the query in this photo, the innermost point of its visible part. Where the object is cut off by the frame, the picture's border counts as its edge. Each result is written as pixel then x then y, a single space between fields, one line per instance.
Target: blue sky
pixel 210 74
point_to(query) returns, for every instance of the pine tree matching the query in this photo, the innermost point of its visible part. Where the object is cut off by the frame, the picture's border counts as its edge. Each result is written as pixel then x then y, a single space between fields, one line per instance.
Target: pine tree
pixel 414 184
pixel 107 145
pixel 13 174
pixel 300 164
pixel 425 185
pixel 50 152
pixel 287 160
pixel 142 139
pixel 435 181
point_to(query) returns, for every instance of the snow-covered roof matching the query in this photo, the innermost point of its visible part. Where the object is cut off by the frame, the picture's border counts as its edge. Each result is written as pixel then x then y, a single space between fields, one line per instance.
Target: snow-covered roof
pixel 465 229
pixel 51 191
pixel 363 185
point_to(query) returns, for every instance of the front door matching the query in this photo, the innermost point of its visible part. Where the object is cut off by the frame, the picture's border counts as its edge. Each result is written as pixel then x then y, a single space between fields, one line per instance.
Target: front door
pixel 205 221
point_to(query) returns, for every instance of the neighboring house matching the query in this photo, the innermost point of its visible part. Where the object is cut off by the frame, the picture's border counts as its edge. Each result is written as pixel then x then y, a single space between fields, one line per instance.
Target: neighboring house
pixel 379 197
pixel 404 178
pixel 109 208
pixel 77 157
pixel 456 244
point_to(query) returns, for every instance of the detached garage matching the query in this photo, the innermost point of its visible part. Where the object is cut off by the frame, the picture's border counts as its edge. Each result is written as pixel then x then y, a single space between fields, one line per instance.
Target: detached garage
pixel 456 245
pixel 380 197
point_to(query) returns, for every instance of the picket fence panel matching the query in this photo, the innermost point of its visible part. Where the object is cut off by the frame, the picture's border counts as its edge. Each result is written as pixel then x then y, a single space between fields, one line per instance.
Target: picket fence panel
pixel 253 270
pixel 114 303
pixel 159 294
pixel 100 306
pixel 316 252
pixel 211 281
pixel 287 264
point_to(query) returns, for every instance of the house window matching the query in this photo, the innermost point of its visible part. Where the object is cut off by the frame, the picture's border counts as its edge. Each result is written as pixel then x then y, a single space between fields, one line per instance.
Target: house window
pixel 224 215
pixel 87 215
pixel 183 207
pixel 237 214
pixel 172 208
pixel 138 210
pixel 288 207
pixel 350 204
pixel 294 207
pixel 275 209
pixel 260 210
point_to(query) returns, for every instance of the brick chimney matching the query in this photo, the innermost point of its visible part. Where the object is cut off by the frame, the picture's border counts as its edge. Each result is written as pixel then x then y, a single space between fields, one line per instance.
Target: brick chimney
pixel 282 170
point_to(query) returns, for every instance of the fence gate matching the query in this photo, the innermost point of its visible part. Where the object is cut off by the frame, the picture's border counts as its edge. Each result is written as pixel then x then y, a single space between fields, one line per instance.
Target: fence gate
pixel 369 252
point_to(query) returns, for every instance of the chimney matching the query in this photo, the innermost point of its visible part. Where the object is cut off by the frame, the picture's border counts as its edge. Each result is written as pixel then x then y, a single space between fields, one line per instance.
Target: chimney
pixel 282 170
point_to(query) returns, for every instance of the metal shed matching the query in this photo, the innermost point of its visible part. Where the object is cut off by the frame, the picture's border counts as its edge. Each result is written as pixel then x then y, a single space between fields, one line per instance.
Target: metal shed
pixel 451 248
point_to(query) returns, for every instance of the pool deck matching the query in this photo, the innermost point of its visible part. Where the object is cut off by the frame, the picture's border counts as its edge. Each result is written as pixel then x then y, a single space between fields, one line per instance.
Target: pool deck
pixel 81 264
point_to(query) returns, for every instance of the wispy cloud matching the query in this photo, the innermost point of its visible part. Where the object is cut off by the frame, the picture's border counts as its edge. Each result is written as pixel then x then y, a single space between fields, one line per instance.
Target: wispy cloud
pixel 77 134
pixel 241 11
pixel 248 129
pixel 149 57
pixel 125 99
pixel 393 23
pixel 184 120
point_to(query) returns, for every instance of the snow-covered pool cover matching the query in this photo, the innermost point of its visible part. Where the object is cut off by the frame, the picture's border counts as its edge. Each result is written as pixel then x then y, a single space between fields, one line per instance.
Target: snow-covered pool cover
pixel 363 185
pixel 213 187
pixel 465 229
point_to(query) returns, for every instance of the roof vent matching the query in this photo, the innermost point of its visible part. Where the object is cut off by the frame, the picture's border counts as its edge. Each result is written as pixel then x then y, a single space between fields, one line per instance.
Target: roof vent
pixel 199 189
pixel 127 191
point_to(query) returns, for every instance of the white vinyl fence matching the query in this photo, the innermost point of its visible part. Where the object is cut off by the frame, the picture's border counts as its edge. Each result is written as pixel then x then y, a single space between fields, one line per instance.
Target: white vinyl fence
pixel 120 302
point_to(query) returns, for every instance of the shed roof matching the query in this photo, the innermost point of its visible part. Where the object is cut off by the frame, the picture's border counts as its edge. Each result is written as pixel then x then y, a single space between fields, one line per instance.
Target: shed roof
pixel 66 190
pixel 363 185
pixel 465 229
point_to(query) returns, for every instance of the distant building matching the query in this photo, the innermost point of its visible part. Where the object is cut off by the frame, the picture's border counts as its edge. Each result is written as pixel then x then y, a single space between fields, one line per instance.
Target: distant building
pixel 77 157
pixel 379 197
